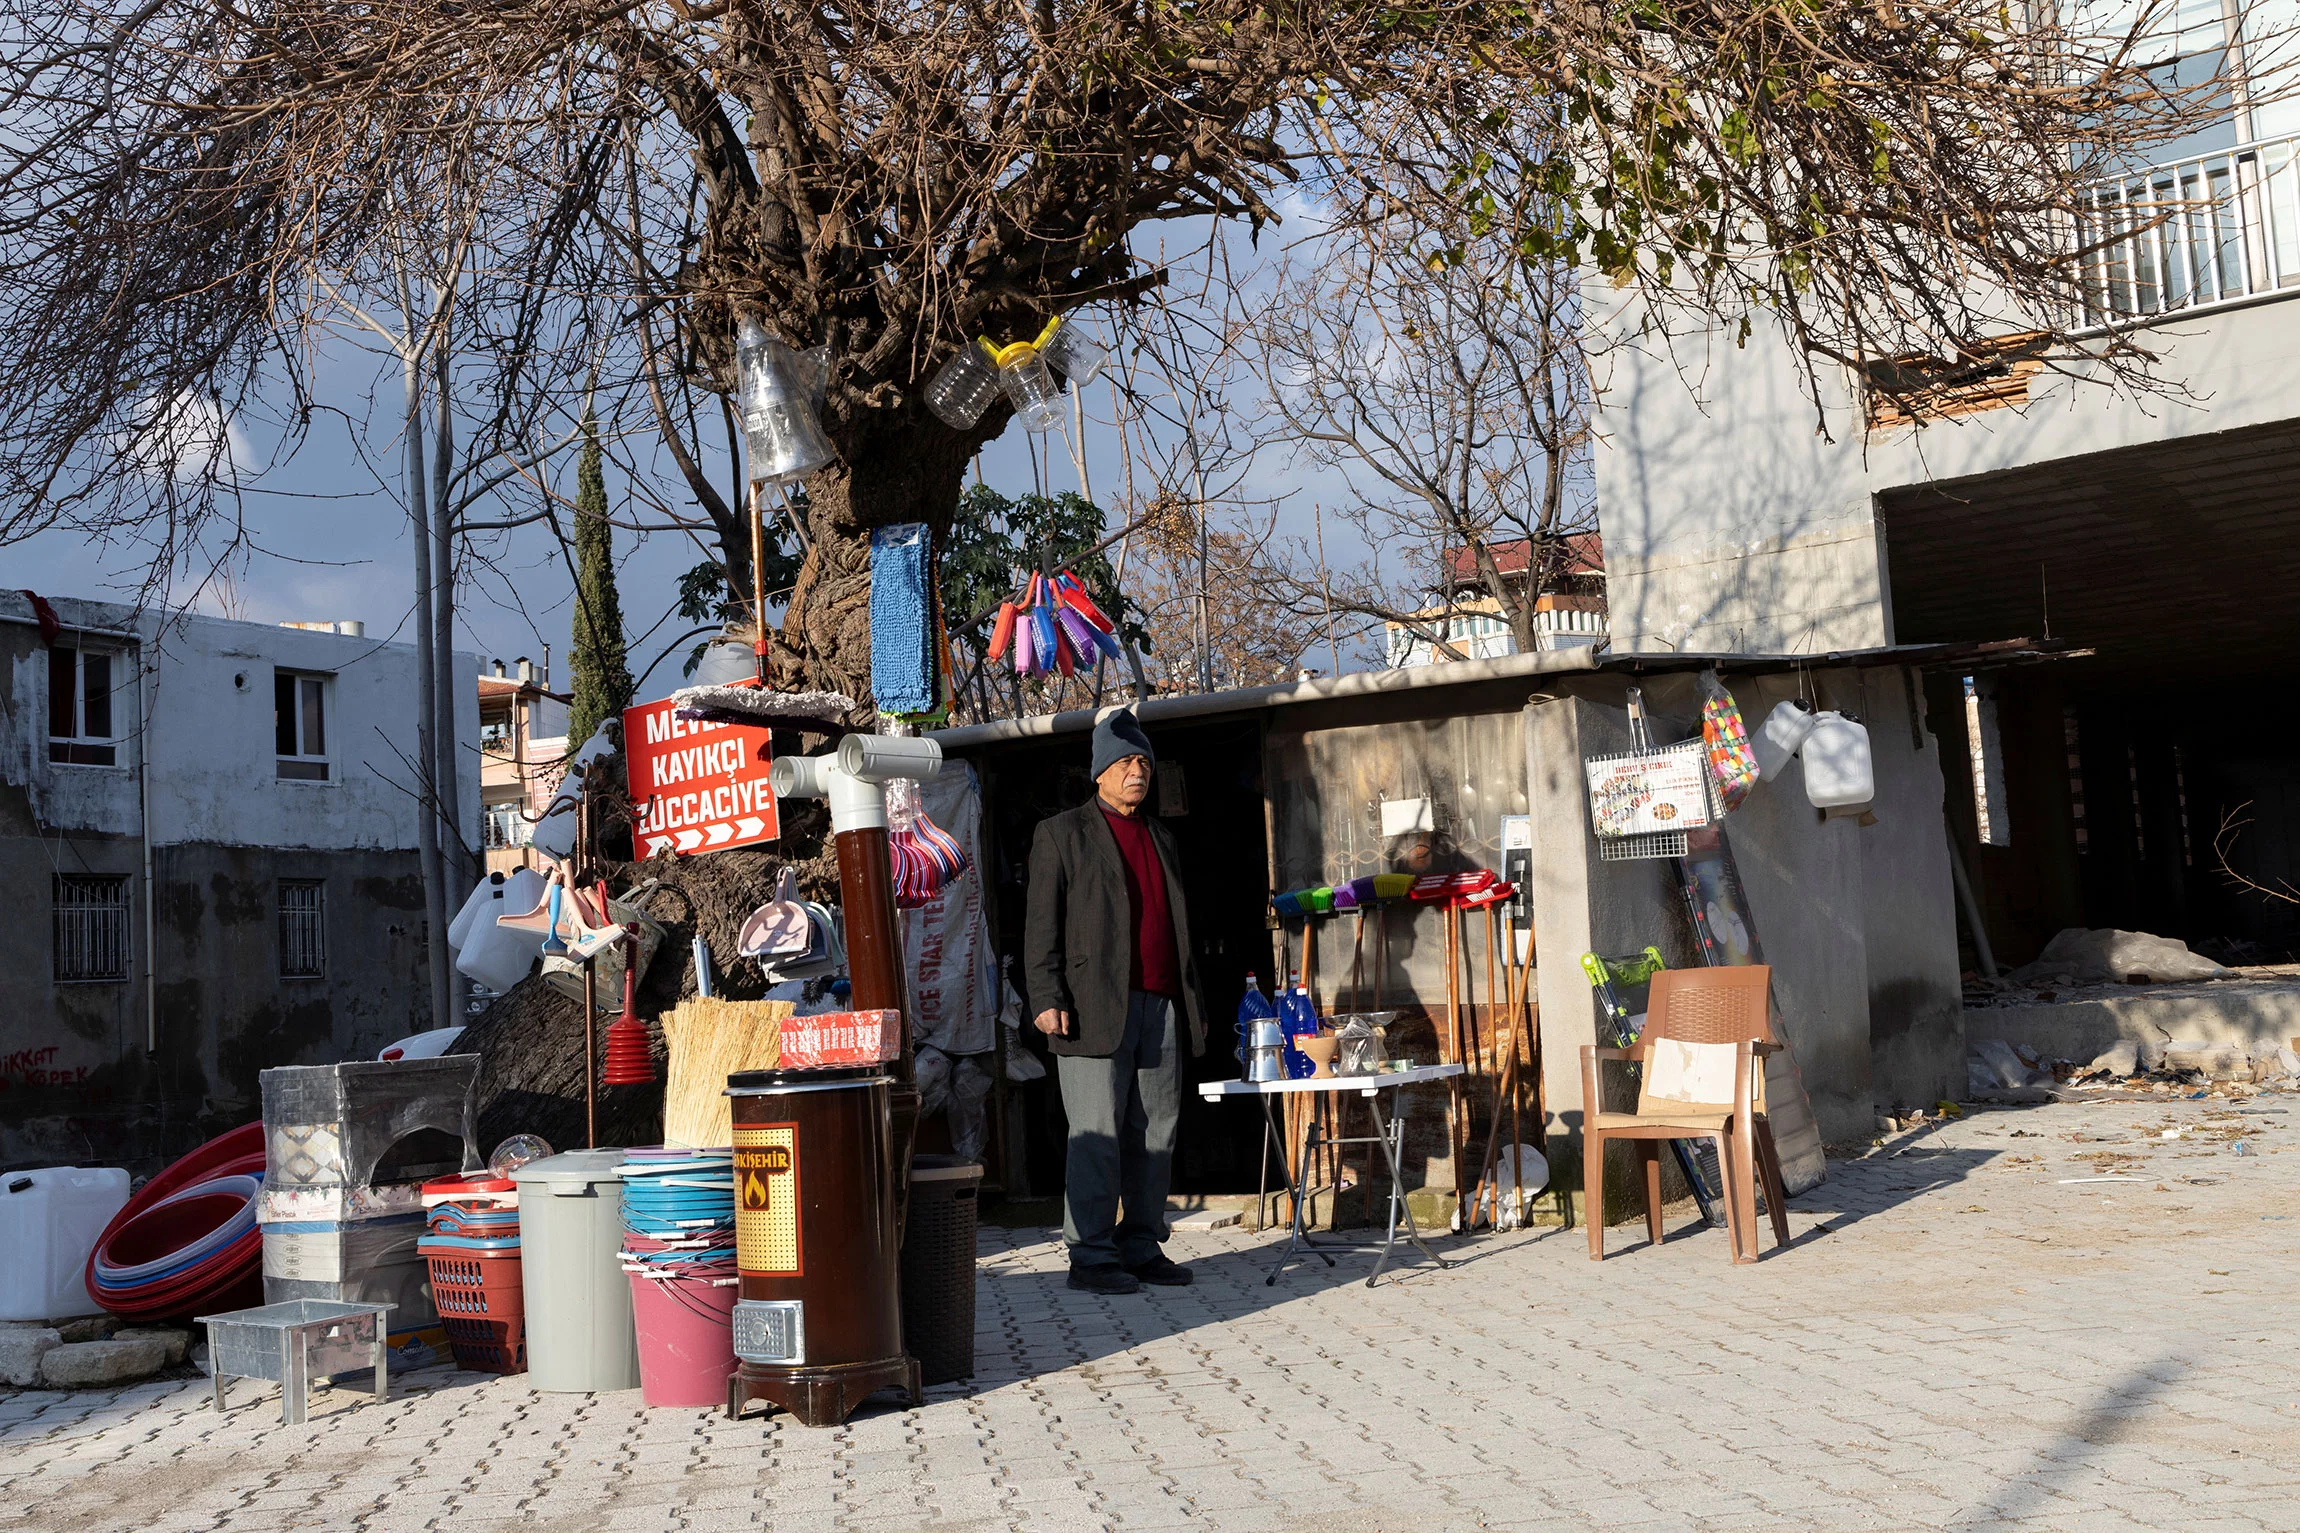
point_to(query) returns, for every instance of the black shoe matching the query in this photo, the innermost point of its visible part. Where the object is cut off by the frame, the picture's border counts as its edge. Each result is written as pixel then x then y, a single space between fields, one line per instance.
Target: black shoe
pixel 1105 1280
pixel 1164 1273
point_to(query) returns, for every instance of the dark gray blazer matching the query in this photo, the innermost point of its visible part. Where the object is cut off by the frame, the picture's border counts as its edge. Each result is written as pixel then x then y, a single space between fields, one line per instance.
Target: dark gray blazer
pixel 1077 949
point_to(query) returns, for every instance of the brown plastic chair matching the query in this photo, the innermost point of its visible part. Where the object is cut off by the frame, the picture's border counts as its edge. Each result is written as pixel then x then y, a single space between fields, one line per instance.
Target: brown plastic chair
pixel 1727 1005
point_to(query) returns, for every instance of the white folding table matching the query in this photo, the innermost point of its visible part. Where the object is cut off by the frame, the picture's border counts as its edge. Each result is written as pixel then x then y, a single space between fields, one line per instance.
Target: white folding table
pixel 1389 1134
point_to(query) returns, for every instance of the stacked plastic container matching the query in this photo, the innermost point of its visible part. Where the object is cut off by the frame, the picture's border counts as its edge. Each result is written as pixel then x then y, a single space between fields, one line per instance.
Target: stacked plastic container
pixel 471 1248
pixel 679 1252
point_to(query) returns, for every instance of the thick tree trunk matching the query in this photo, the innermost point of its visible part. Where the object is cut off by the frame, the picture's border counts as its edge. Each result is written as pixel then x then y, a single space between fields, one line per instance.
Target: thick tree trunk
pixel 911 472
pixel 530 1042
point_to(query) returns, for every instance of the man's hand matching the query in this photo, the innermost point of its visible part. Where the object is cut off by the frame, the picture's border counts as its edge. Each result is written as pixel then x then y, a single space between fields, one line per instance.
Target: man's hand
pixel 1054 1023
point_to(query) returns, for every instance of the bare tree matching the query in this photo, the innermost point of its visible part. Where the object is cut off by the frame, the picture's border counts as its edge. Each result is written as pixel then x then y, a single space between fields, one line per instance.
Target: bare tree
pixel 189 189
pixel 1447 387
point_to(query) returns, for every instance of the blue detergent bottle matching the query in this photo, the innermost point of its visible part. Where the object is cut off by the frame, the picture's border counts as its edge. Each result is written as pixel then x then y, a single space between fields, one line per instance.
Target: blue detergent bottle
pixel 1253 1007
pixel 1298 1015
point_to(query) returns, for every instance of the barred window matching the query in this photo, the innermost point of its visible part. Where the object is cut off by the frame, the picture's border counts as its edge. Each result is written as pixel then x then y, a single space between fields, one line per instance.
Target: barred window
pixel 303 928
pixel 91 929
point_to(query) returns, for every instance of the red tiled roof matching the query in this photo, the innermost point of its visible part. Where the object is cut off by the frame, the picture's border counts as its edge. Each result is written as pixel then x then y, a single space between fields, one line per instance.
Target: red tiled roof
pixel 1577 553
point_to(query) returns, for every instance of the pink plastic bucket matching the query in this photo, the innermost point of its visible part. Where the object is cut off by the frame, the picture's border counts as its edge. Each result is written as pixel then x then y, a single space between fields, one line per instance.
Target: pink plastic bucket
pixel 686 1340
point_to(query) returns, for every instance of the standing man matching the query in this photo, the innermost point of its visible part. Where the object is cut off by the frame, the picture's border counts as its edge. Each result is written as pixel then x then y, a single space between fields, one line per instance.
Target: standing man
pixel 1108 963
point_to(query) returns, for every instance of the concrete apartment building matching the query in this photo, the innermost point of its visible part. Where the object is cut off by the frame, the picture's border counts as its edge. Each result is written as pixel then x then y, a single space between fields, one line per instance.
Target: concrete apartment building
pixel 1569 604
pixel 2156 535
pixel 522 755
pixel 209 834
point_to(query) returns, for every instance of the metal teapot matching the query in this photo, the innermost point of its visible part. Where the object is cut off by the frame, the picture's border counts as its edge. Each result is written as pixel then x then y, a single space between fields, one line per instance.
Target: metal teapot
pixel 1266 1051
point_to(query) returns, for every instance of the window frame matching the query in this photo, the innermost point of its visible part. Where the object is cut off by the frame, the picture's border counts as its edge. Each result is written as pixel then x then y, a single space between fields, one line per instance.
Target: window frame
pixel 82 748
pixel 308 688
pixel 316 914
pixel 120 927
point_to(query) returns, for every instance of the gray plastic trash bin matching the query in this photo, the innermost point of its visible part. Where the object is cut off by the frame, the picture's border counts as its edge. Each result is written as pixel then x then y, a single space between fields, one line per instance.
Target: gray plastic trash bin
pixel 579 1333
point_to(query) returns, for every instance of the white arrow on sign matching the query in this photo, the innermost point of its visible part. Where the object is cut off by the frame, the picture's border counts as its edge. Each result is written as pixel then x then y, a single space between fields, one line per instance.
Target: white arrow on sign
pixel 722 833
pixel 749 825
pixel 689 840
pixel 656 844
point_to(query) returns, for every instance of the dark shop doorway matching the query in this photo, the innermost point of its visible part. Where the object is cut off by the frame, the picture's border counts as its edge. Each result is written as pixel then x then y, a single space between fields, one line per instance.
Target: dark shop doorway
pixel 1209 795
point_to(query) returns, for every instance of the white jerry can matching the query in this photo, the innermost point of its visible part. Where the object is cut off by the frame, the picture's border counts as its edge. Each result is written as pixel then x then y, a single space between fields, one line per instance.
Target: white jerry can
pixel 1839 771
pixel 1784 730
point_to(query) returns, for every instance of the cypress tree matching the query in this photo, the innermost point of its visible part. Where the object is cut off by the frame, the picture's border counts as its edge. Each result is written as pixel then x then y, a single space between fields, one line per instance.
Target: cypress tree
pixel 602 678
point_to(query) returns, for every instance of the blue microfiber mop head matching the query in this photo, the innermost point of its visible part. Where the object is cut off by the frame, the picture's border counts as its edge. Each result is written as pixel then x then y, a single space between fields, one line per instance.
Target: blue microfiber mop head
pixel 902 678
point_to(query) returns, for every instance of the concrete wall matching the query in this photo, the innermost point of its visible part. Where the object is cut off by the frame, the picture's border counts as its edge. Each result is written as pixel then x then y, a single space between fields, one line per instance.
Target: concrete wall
pixel 1733 523
pixel 1857 922
pixel 211 738
pixel 1584 905
pixel 76 1079
pixel 1916 994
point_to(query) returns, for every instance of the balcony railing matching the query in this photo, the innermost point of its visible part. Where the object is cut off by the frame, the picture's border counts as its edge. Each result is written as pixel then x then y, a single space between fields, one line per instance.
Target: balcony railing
pixel 2212 229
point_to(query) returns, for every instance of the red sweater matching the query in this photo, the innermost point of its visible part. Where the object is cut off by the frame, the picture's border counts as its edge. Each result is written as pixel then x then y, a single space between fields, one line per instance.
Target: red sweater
pixel 1156 968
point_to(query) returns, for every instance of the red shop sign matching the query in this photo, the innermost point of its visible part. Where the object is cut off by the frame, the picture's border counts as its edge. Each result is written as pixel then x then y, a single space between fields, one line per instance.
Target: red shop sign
pixel 699 785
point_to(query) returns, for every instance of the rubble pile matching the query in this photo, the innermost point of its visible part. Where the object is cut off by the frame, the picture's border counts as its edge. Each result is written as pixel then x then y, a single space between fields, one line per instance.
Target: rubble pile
pixel 2189 1067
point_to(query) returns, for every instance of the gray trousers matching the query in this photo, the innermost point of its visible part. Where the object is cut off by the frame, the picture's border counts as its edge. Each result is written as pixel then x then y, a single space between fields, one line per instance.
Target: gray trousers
pixel 1123 1111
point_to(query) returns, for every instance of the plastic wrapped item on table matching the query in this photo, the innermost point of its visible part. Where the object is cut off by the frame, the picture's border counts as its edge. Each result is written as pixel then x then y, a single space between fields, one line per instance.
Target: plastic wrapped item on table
pixel 357 1140
pixel 1362 1042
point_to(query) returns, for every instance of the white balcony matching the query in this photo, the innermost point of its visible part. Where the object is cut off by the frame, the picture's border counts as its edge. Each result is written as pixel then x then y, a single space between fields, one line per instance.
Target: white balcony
pixel 2198 233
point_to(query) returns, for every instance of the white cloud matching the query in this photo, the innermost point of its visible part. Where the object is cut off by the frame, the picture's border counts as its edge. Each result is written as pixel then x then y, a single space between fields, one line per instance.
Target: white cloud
pixel 189 437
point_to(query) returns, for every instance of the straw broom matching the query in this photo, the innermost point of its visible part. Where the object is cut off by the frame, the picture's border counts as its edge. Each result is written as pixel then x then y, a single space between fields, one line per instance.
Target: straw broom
pixel 710 1039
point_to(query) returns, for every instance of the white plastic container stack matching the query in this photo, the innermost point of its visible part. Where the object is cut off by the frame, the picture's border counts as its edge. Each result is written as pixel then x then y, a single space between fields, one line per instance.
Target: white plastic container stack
pixel 49 1221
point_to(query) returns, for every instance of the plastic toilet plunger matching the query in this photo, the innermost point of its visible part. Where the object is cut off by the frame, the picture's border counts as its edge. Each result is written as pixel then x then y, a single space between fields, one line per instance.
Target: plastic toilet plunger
pixel 628 1061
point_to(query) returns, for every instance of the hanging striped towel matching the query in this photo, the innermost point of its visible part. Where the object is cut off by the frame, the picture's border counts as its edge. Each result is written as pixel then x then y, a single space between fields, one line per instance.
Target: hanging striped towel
pixel 901 630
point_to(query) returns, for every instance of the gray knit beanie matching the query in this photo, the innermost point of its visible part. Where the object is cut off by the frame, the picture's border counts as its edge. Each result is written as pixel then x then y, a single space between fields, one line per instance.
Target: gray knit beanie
pixel 1118 737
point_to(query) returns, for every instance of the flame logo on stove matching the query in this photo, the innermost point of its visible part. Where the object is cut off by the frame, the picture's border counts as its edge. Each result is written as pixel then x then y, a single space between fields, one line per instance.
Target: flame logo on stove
pixel 754 1191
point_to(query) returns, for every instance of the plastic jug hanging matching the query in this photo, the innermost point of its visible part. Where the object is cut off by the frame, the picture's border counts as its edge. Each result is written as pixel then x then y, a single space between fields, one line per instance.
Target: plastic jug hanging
pixel 963 388
pixel 1073 352
pixel 775 391
pixel 1030 386
pixel 1785 729
pixel 1839 772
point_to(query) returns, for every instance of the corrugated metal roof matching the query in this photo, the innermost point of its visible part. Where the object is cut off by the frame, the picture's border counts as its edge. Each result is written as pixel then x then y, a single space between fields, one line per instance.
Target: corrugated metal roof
pixel 1445 675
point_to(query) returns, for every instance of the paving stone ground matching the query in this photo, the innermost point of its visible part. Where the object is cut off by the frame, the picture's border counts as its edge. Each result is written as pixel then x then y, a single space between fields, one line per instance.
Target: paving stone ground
pixel 1959 1337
